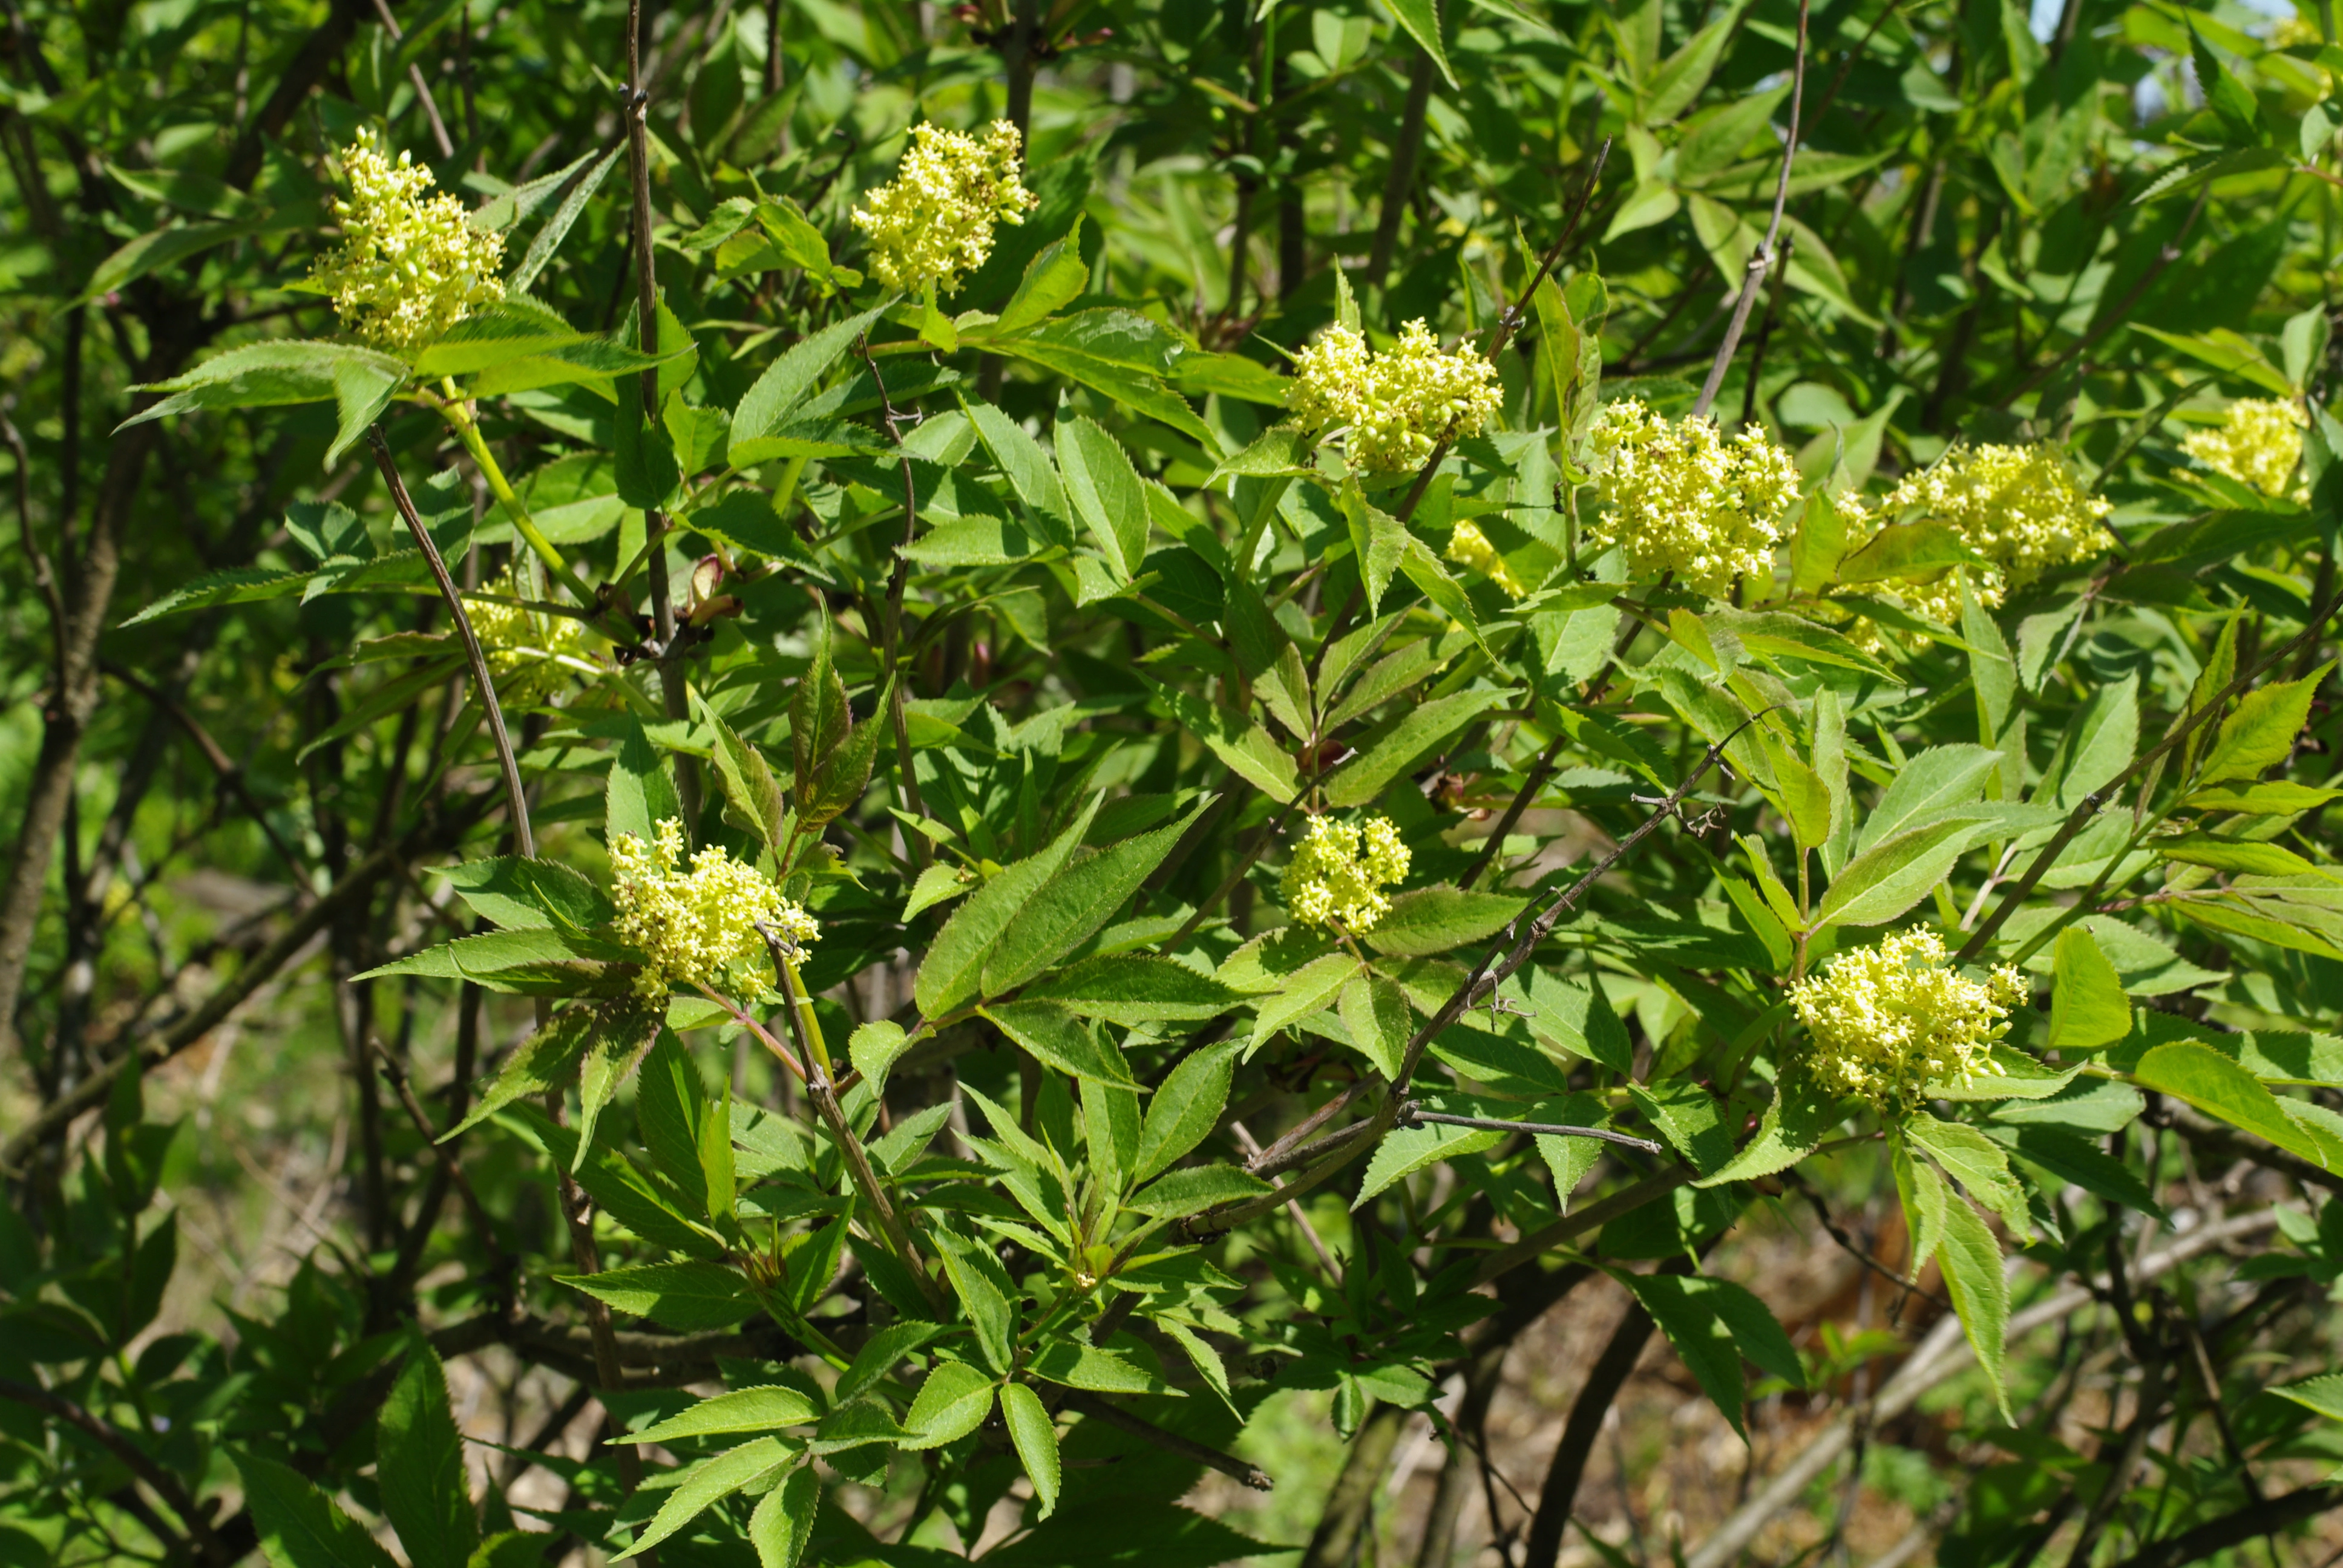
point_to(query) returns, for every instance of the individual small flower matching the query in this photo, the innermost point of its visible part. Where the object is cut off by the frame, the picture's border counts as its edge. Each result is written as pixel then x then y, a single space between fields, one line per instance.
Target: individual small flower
pixel 1886 1022
pixel 529 653
pixel 1396 407
pixel 1338 872
pixel 1469 547
pixel 410 266
pixel 933 221
pixel 2258 443
pixel 1679 497
pixel 695 928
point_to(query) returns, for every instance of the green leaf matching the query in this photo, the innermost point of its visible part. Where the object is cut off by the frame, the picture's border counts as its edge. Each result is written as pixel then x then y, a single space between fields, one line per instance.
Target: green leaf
pixel 1104 489
pixel 1193 1190
pixel 1971 1261
pixel 1976 1163
pixel 819 717
pixel 688 1297
pixel 622 1032
pixel 1904 550
pixel 1685 1314
pixel 494 334
pixel 298 1525
pixel 1439 586
pixel 1035 1436
pixel 1375 1011
pixel 1054 1037
pixel 1077 1365
pixel 939 884
pixel 2322 1395
pixel 231 585
pixel 419 1467
pixel 1408 1149
pixel 952 1402
pixel 1889 877
pixel 2262 731
pixel 783 1521
pixel 359 383
pixel 845 774
pixel 878 1355
pixel 1420 729
pixel 985 1293
pixel 1791 1127
pixel 1433 919
pixel 1250 750
pixel 1054 279
pixel 1131 989
pixel 1313 986
pixel 752 792
pixel 1378 541
pixel 765 1409
pixel 557 228
pixel 791 378
pixel 1683 74
pixel 1026 465
pixel 641 792
pixel 544 1061
pixel 517 893
pixel 1422 20
pixel 708 1482
pixel 1185 1107
pixel 2222 1089
pixel 2232 104
pixel 2089 1009
pixel 1077 903
pixel 2079 1160
pixel 873 1048
pixel 1926 786
pixel 949 975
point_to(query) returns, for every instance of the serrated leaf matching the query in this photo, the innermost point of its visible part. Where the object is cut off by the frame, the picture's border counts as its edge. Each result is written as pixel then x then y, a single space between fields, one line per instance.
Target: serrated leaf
pixel 419 1467
pixel 1375 1011
pixel 1100 1371
pixel 708 1482
pixel 1420 729
pixel 952 1402
pixel 873 1048
pixel 1035 1437
pixel 1128 990
pixel 1313 986
pixel 1104 489
pixel 790 379
pixel 1076 904
pixel 1431 920
pixel 298 1525
pixel 765 1409
pixel 688 1297
pixel 1185 1107
pixel 1971 1261
pixel 1976 1162
pixel 2089 1009
pixel 1193 1190
pixel 949 973
pixel 1054 1037
pixel 1407 1149
pixel 783 1521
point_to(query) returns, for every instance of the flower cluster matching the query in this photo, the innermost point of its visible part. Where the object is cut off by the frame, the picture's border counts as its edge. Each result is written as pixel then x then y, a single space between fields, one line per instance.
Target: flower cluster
pixel 2020 508
pixel 1469 547
pixel 2258 443
pixel 1397 406
pixel 933 221
pixel 525 649
pixel 1886 1022
pixel 696 927
pixel 1679 497
pixel 1328 878
pixel 410 266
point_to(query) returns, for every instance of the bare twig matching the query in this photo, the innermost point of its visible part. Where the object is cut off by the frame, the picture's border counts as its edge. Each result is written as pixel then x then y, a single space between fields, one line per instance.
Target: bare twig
pixel 415 75
pixel 1411 1113
pixel 1122 1420
pixel 516 795
pixel 1761 259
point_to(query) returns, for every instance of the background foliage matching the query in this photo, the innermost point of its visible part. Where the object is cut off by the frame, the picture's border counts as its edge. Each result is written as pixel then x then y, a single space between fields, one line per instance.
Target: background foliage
pixel 1040 740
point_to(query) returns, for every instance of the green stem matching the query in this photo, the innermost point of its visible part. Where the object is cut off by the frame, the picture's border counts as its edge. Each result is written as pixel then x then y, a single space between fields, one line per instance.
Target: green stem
pixel 457 413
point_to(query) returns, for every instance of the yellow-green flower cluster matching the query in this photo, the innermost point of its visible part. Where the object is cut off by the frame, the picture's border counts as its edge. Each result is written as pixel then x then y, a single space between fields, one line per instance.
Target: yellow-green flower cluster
pixel 2020 508
pixel 526 651
pixel 1679 497
pixel 1334 877
pixel 1396 407
pixel 2258 443
pixel 695 928
pixel 410 266
pixel 933 221
pixel 1469 547
pixel 1886 1022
